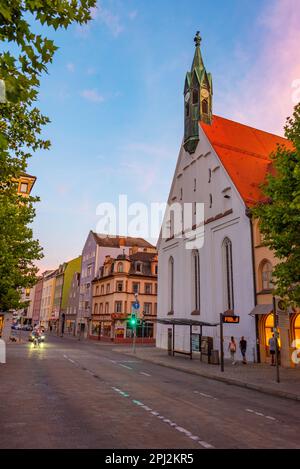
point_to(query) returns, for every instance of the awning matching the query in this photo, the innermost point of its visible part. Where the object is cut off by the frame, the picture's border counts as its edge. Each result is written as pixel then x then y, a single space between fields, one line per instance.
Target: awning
pixel 261 309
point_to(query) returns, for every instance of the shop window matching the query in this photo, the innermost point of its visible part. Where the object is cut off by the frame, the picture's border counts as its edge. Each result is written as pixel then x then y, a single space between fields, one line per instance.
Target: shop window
pixel 269 326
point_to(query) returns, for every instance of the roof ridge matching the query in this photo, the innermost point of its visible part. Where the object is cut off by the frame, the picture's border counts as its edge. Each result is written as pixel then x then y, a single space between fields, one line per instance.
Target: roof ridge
pixel 251 127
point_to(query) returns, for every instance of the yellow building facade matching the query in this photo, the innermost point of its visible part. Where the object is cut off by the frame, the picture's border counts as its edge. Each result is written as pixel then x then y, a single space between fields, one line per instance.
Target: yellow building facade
pixel 288 322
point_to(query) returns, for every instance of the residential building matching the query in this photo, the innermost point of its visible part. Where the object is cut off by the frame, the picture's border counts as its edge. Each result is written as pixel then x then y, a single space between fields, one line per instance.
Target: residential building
pixel 25 314
pixel 96 248
pixel 73 304
pixel 206 263
pixel 63 282
pixel 37 301
pixel 114 290
pixel 46 313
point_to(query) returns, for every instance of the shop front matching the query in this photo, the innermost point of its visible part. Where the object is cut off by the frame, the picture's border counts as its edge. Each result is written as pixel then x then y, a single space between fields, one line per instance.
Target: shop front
pixel 288 328
pixel 1 323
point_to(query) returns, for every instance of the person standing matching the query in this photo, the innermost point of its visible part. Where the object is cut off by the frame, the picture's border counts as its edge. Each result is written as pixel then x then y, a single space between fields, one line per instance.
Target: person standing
pixel 243 349
pixel 272 349
pixel 232 349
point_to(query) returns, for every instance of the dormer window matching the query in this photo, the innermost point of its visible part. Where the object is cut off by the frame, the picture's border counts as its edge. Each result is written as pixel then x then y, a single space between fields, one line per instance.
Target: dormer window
pixel 139 267
pixel 24 187
pixel 120 267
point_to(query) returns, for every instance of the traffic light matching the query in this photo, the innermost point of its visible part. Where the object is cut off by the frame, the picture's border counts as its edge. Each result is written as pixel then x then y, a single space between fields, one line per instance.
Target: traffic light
pixel 133 320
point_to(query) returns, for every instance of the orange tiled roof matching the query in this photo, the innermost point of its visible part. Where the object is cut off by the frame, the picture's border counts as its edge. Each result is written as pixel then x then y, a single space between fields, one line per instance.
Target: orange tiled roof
pixel 245 154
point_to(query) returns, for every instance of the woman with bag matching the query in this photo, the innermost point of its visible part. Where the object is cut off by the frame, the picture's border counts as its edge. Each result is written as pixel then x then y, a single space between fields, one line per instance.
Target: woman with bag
pixel 232 349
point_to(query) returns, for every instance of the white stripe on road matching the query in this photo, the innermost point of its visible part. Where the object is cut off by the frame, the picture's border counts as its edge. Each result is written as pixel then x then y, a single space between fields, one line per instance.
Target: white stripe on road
pixel 125 366
pixel 156 414
pixel 144 373
pixel 260 414
pixel 203 394
pixel 70 360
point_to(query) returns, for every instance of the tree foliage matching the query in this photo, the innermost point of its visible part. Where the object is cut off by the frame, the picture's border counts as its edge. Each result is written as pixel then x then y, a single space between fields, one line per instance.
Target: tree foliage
pixel 279 215
pixel 26 55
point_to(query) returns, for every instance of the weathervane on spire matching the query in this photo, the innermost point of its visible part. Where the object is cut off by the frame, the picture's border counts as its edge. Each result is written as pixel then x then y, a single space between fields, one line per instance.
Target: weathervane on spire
pixel 197 39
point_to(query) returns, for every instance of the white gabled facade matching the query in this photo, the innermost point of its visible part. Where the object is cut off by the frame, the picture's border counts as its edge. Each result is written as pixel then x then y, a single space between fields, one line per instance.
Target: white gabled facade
pixel 201 177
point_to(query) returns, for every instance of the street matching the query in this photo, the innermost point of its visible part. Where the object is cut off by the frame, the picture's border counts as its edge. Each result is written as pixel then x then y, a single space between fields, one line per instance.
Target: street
pixel 71 394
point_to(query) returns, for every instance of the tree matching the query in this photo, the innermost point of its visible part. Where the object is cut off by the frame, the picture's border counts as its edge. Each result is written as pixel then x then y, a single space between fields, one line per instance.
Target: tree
pixel 279 213
pixel 21 125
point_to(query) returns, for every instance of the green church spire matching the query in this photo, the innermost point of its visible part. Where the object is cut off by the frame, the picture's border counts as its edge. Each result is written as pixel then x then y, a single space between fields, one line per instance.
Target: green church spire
pixel 197 99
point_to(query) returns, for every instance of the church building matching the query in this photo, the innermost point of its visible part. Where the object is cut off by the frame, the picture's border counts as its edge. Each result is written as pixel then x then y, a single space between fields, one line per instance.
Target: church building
pixel 208 267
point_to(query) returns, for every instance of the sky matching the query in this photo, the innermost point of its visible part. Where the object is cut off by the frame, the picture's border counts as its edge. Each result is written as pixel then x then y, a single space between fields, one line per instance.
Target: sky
pixel 114 94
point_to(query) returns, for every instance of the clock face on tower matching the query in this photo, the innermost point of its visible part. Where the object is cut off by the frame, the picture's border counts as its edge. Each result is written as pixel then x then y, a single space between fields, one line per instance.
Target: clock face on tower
pixel 204 93
pixel 187 97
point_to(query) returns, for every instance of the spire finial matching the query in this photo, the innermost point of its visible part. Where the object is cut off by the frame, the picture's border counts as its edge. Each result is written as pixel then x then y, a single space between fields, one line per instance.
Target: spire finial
pixel 197 39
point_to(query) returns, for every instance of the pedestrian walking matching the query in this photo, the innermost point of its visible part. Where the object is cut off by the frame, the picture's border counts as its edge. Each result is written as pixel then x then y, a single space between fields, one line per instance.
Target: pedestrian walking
pixel 243 349
pixel 232 349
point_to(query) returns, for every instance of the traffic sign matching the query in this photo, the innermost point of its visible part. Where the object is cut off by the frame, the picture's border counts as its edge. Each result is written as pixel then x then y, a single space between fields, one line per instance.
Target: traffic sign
pixel 231 319
pixel 136 305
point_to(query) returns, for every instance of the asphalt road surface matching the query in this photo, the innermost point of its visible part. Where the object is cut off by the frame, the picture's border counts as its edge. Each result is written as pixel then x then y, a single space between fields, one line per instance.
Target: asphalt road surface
pixel 71 394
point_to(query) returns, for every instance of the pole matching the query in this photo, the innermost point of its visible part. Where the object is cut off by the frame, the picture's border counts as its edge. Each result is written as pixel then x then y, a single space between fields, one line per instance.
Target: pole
pixel 276 342
pixel 134 336
pixel 221 342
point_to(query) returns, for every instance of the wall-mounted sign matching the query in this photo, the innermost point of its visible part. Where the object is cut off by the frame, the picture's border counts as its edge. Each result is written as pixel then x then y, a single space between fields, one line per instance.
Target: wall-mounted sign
pixel 231 319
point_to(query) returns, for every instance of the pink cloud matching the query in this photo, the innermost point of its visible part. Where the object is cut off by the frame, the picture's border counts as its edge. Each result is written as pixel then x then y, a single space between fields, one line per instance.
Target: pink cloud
pixel 265 97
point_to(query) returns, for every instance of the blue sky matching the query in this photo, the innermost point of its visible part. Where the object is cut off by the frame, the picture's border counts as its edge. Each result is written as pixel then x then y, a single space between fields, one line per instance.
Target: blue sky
pixel 114 96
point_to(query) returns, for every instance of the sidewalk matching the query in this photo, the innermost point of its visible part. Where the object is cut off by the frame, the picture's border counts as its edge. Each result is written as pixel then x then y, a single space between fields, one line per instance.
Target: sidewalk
pixel 260 377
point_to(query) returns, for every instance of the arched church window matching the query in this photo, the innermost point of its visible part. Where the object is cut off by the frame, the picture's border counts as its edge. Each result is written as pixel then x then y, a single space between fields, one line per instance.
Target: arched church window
pixel 195 96
pixel 171 284
pixel 196 279
pixel 205 106
pixel 228 274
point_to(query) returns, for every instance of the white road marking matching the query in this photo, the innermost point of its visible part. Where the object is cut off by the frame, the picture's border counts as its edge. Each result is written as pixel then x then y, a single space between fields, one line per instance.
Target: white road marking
pixel 144 373
pixel 70 360
pixel 260 414
pixel 125 366
pixel 186 432
pixel 203 394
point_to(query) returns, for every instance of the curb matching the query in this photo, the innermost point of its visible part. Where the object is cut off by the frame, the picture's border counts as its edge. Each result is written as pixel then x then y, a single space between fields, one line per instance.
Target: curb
pixel 230 381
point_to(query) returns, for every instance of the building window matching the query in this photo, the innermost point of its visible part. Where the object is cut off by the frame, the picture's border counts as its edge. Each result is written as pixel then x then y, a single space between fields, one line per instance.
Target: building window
pixel 187 109
pixel 87 287
pixel 96 308
pixel 155 309
pixel 139 267
pixel 102 289
pixel 195 184
pixel 181 193
pixel 209 175
pixel 119 286
pixel 118 307
pixel 155 289
pixel 148 288
pixel 97 290
pixel 101 308
pixel 196 279
pixel 135 287
pixel 24 187
pixel 204 106
pixel 266 275
pixel 228 274
pixel 120 267
pixel 89 270
pixel 171 285
pixel 106 308
pixel 156 270
pixel 195 96
pixel 147 308
pixel 108 288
